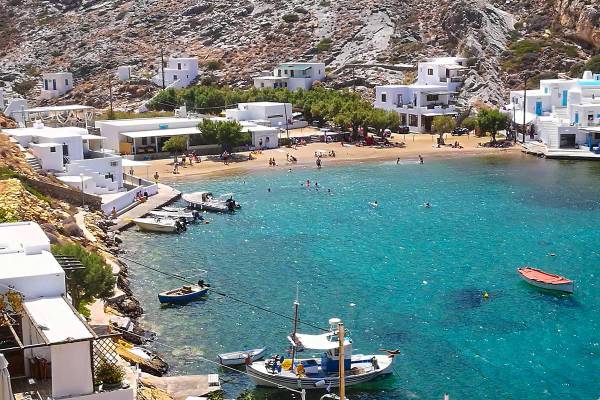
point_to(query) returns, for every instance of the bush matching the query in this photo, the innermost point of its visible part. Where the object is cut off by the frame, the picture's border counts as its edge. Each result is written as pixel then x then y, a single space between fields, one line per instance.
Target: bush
pixel 213 65
pixel 289 18
pixel 593 64
pixel 109 373
pixel 324 45
pixel 24 87
pixel 56 53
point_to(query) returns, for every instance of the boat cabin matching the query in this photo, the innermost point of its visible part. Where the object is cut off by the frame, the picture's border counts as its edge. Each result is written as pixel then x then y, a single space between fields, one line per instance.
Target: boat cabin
pixel 328 343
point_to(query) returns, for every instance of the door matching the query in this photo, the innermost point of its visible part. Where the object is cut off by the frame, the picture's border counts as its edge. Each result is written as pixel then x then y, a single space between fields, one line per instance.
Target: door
pixel 576 117
pixel 538 108
pixel 53 84
pixel 565 94
pixel 567 141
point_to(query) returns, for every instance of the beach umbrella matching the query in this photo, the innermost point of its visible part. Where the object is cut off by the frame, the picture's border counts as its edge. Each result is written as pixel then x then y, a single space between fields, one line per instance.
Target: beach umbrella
pixel 5 387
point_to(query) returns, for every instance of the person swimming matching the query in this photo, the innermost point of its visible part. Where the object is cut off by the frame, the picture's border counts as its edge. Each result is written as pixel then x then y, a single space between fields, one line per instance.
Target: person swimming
pixel 427 204
pixel 374 204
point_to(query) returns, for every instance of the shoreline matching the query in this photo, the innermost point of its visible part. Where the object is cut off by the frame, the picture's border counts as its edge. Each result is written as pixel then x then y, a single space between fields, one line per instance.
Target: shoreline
pixel 346 154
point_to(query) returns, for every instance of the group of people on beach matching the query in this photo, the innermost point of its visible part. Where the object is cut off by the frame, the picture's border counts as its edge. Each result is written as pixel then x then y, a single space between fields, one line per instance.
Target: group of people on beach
pixel 272 162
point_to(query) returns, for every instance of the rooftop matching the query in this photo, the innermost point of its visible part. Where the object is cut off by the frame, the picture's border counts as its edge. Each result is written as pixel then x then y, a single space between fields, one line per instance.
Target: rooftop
pixel 56 320
pixel 20 265
pixel 25 237
pixel 72 107
pixel 147 121
pixel 49 132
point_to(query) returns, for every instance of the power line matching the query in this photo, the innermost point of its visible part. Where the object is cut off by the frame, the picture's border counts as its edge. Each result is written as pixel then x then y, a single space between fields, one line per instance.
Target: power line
pixel 226 295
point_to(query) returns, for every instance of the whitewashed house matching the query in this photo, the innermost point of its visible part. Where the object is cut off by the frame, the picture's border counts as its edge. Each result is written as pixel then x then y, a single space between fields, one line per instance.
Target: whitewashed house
pixel 56 84
pixel 432 95
pixel 48 345
pixel 292 76
pixel 124 72
pixel 263 113
pixel 74 156
pixel 178 73
pixel 565 114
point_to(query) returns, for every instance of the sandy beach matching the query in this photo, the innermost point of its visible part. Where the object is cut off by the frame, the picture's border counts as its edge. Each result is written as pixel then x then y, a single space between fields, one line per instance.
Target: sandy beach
pixel 415 145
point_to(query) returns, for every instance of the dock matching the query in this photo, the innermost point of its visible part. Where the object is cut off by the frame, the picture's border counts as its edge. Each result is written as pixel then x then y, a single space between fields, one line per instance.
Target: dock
pixel 166 195
pixel 181 387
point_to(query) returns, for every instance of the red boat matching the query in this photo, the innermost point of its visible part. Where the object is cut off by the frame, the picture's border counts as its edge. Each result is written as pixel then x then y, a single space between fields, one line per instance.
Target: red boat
pixel 545 280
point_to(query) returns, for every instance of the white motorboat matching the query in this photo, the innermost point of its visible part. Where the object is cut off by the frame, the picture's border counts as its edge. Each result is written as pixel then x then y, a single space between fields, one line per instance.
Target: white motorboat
pixel 239 357
pixel 319 372
pixel 207 202
pixel 174 209
pixel 187 216
pixel 154 224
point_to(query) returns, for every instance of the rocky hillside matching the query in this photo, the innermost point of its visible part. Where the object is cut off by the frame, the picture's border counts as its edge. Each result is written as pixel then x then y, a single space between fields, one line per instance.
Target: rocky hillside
pixel 234 40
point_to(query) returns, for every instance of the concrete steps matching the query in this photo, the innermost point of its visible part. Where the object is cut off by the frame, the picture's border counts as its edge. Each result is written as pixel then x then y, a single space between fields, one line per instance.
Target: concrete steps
pixel 34 163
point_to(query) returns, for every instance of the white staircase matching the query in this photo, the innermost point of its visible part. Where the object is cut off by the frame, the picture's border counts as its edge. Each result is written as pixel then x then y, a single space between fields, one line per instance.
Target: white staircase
pixel 34 162
pixel 561 114
pixel 547 129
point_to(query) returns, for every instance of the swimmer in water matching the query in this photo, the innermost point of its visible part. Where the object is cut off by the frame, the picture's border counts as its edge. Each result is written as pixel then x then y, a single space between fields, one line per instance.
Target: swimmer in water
pixel 374 204
pixel 427 205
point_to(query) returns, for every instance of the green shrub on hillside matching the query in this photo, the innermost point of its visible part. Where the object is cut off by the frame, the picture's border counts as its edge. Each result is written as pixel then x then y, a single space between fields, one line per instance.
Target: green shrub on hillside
pixel 289 18
pixel 324 45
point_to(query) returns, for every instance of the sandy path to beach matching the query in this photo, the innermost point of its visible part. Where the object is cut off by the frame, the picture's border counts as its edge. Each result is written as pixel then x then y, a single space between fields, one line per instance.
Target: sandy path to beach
pixel 423 144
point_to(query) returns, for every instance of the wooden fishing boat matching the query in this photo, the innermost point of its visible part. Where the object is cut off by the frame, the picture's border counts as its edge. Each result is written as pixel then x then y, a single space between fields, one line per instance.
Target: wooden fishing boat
pixel 545 280
pixel 183 294
pixel 239 357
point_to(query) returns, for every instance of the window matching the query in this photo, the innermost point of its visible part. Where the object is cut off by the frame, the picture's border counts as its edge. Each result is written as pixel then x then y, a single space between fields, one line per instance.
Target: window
pixel 319 72
pixel 278 72
pixel 178 65
pixel 144 141
pixel 432 97
pixel 383 97
pixel 45 84
pixel 545 90
pixel 113 163
pixel 284 84
pixel 292 73
pixel 413 120
pixel 129 140
pixel 152 140
pixel 285 71
pixel 53 84
pixel 262 84
pixel 399 100
pixel 515 100
pixel 590 117
pixel 66 82
pixel 53 149
pixel 597 135
pixel 429 71
pixel 174 77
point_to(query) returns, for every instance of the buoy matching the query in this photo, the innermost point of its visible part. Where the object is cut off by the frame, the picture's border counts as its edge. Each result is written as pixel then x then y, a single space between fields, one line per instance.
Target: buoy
pixel 486 295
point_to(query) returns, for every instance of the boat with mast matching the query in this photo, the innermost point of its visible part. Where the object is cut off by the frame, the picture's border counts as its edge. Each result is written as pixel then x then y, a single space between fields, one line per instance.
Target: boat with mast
pixel 326 371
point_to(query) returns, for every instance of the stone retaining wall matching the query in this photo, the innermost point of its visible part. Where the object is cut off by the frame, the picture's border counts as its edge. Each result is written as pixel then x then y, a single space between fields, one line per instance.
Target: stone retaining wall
pixel 71 196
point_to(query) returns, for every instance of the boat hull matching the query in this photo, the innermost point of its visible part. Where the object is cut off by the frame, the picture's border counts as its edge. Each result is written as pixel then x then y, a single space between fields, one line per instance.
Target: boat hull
pixel 152 227
pixel 164 298
pixel 266 379
pixel 255 354
pixel 564 287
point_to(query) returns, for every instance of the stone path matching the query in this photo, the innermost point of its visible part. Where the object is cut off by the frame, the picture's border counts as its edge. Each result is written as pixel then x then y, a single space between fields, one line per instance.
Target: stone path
pixel 166 195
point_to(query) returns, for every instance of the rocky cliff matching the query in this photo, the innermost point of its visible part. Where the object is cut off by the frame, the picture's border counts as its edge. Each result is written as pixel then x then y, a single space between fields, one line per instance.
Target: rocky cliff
pixel 235 40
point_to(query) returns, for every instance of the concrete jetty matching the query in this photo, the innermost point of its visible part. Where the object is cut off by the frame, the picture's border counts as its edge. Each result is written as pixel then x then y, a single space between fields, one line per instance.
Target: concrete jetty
pixel 166 195
pixel 180 387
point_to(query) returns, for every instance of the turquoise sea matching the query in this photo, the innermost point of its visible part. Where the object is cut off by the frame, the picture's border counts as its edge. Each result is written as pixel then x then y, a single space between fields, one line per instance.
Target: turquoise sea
pixel 399 275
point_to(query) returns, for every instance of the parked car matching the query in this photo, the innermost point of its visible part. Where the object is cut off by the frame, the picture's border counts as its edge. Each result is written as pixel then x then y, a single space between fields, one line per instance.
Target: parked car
pixel 403 130
pixel 460 131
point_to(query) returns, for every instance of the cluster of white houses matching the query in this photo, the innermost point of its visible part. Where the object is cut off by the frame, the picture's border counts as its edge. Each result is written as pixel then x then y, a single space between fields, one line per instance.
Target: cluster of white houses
pixel 564 113
pixel 432 95
pixel 291 76
pixel 51 350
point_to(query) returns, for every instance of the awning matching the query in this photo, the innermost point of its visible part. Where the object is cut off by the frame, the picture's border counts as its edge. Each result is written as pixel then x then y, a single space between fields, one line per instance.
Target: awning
pixel 162 132
pixel 437 114
pixel 456 67
pixel 56 320
pixel 133 163
pixel 591 129
pixel 93 137
pixel 326 341
pixel 518 117
pixel 74 107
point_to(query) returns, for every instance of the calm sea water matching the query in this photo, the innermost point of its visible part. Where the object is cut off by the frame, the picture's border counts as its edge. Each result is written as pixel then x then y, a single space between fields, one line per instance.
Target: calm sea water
pixel 400 276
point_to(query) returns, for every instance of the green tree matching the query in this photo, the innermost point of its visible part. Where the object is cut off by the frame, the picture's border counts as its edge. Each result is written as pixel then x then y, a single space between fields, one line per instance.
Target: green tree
pixel 491 121
pixel 470 123
pixel 175 144
pixel 228 134
pixel 94 281
pixel 442 124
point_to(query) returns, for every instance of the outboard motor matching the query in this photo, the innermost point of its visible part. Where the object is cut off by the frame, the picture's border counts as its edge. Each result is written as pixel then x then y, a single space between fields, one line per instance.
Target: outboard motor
pixel 180 226
pixel 230 204
pixel 197 215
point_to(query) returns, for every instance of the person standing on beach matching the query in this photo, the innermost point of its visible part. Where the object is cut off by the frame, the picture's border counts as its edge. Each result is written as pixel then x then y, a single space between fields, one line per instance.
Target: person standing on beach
pixel 420 159
pixel 398 161
pixel 319 162
pixel 156 176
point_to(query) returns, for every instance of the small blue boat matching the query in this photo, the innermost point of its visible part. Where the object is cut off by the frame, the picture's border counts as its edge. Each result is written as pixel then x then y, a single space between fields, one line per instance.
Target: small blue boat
pixel 183 294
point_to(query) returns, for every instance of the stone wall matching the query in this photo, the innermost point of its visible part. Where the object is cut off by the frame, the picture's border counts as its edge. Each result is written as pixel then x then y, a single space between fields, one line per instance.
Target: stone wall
pixel 69 195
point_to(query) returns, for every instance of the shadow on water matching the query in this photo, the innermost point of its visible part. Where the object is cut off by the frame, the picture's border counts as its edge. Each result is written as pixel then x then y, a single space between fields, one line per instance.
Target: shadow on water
pixel 466 298
pixel 552 296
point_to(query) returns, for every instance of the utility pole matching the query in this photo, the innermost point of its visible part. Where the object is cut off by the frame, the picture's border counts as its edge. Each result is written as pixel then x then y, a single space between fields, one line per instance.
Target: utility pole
pixel 341 335
pixel 110 96
pixel 162 66
pixel 353 80
pixel 514 120
pixel 524 108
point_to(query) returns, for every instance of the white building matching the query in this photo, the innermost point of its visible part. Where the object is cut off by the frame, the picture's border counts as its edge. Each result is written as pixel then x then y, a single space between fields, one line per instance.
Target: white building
pixel 432 95
pixel 74 156
pixel 124 72
pixel 49 346
pixel 263 113
pixel 565 114
pixel 56 84
pixel 178 73
pixel 292 76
